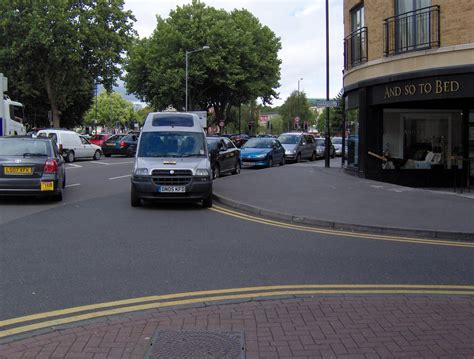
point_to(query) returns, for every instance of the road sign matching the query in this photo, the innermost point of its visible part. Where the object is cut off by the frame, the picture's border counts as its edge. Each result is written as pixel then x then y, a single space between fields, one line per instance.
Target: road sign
pixel 297 119
pixel 221 124
pixel 326 103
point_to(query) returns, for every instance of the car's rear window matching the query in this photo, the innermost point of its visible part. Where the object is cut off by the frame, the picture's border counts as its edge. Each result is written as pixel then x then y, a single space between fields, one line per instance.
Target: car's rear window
pixel 170 121
pixel 320 141
pixel 97 137
pixel 115 138
pixel 24 147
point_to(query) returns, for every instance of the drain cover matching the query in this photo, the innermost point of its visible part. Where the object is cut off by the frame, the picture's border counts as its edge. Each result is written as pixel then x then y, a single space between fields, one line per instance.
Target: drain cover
pixel 196 344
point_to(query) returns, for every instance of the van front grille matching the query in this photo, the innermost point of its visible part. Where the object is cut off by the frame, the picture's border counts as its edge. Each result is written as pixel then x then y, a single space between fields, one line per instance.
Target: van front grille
pixel 172 181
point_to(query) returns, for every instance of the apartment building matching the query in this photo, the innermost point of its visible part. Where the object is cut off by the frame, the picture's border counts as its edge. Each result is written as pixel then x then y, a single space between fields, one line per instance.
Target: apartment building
pixel 409 90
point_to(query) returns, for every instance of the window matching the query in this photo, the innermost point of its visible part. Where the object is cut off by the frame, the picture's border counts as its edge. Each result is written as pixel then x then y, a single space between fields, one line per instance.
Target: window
pixel 421 139
pixel 355 45
pixel 182 121
pixel 412 24
pixel 357 18
pixel 352 118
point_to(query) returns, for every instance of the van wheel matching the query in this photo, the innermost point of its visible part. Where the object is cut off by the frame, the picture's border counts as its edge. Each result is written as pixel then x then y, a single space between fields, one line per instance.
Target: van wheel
pixel 70 157
pixel 207 202
pixel 97 155
pixel 135 201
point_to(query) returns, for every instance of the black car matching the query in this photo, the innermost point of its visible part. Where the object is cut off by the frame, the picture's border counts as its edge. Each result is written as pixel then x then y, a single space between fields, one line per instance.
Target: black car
pixel 31 167
pixel 125 145
pixel 224 156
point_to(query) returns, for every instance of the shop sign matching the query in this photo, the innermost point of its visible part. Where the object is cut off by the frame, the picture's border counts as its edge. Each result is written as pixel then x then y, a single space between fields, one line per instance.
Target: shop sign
pixel 423 89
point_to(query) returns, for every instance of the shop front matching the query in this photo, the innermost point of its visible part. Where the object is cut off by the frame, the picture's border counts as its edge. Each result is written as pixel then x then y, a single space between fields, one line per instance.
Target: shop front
pixel 413 129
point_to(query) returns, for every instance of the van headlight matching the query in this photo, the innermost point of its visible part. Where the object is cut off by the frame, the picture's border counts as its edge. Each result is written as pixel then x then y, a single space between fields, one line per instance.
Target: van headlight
pixel 141 172
pixel 202 172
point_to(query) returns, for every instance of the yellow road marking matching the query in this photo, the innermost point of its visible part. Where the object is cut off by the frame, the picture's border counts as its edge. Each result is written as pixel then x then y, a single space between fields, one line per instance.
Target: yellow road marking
pixel 340 233
pixel 155 298
pixel 129 309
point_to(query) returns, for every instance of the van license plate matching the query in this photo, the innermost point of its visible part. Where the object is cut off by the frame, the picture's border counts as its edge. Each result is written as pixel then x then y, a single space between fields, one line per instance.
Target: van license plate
pixel 172 189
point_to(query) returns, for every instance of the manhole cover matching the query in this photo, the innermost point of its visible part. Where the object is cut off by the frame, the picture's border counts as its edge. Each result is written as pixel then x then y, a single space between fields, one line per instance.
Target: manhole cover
pixel 196 344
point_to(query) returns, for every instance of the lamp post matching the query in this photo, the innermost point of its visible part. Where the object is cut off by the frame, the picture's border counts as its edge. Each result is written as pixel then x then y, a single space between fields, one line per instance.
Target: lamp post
pixel 327 161
pixel 298 103
pixel 205 47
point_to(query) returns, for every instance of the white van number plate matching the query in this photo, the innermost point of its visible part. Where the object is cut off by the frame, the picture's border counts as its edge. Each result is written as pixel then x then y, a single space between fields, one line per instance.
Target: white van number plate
pixel 172 189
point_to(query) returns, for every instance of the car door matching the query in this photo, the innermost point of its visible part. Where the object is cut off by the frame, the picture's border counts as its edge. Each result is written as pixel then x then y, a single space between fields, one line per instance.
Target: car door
pixel 232 154
pixel 310 145
pixel 224 161
pixel 88 150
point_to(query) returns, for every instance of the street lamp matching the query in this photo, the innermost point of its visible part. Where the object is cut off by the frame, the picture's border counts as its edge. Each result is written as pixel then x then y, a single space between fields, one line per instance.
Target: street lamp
pixel 298 103
pixel 205 47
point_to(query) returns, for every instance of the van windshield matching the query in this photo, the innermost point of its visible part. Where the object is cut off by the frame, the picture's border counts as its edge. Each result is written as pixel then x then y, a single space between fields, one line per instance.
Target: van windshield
pixel 172 144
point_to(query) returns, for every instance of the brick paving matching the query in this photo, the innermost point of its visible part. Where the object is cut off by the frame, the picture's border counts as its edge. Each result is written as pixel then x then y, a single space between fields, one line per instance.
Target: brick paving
pixel 339 326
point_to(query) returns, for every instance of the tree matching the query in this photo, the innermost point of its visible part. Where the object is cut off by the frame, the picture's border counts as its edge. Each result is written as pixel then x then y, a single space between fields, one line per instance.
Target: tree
pixel 296 106
pixel 241 65
pixel 61 47
pixel 111 109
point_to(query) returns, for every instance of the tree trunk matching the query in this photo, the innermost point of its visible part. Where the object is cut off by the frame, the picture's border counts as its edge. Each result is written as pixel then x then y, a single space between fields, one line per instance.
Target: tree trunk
pixel 52 101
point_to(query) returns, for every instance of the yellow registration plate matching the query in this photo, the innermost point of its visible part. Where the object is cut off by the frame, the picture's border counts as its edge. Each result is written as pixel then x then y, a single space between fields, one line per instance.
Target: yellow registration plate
pixel 47 186
pixel 17 170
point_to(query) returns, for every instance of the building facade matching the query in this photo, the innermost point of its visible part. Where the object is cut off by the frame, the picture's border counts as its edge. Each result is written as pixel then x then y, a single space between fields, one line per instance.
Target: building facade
pixel 409 90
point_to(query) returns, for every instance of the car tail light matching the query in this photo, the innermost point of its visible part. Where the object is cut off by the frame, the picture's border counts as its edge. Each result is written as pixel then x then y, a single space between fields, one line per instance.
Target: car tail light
pixel 123 144
pixel 50 166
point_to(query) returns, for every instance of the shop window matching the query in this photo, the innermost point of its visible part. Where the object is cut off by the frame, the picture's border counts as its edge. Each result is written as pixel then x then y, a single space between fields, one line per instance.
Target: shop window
pixel 421 139
pixel 352 120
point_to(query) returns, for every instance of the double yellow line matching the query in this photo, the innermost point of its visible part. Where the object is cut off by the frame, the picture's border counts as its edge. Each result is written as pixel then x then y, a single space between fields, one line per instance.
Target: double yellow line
pixel 55 318
pixel 339 233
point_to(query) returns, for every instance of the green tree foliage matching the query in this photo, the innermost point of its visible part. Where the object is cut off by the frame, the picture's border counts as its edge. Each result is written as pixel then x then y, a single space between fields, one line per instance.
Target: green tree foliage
pixel 241 65
pixel 296 106
pixel 111 109
pixel 57 49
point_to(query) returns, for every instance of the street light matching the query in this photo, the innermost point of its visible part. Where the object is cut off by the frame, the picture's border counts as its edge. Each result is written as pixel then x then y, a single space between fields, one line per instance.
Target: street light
pixel 205 47
pixel 298 103
pixel 327 161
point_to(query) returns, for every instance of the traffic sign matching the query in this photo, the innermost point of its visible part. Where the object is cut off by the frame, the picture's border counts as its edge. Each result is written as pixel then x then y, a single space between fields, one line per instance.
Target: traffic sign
pixel 221 124
pixel 326 103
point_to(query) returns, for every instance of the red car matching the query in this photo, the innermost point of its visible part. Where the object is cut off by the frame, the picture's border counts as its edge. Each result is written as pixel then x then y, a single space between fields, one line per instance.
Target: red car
pixel 99 139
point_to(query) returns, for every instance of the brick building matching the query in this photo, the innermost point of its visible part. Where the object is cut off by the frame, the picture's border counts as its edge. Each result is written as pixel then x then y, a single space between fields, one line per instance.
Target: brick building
pixel 409 90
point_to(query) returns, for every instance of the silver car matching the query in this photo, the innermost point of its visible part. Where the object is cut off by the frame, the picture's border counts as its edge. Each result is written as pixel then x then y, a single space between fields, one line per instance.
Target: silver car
pixel 298 146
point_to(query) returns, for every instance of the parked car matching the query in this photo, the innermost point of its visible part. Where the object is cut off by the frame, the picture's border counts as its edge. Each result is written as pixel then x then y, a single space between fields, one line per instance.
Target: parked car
pixel 321 148
pixel 224 156
pixel 125 145
pixel 31 167
pixel 337 142
pixel 298 146
pixel 71 145
pixel 262 152
pixel 239 140
pixel 99 139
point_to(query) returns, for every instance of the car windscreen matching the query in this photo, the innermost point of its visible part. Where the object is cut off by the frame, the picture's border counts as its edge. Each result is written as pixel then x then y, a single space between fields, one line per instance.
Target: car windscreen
pixel 172 144
pixel 258 143
pixel 320 142
pixel 24 147
pixel 289 139
pixel 337 140
pixel 114 138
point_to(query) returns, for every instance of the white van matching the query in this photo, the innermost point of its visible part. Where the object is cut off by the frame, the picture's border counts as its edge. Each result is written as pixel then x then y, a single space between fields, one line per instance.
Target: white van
pixel 172 161
pixel 72 145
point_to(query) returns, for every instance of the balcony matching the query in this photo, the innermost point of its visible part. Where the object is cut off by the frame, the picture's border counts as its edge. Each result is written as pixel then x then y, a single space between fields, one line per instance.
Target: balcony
pixel 412 31
pixel 355 48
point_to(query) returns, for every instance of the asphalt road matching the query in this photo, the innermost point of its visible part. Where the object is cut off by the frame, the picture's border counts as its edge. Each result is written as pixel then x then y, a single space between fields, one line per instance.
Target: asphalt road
pixel 93 247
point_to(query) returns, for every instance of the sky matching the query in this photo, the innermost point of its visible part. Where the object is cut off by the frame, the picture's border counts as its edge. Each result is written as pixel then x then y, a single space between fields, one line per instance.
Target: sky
pixel 300 24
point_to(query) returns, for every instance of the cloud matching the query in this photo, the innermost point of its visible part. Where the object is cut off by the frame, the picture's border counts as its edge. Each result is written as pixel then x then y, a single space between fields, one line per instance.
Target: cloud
pixel 301 26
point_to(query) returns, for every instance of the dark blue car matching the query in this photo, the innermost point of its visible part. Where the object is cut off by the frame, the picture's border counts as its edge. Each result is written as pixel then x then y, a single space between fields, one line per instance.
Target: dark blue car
pixel 262 152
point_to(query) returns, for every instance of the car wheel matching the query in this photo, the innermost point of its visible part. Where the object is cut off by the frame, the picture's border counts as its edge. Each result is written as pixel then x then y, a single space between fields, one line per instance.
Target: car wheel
pixel 207 202
pixel 70 157
pixel 216 173
pixel 283 161
pixel 97 155
pixel 64 181
pixel 236 170
pixel 59 196
pixel 270 162
pixel 313 156
pixel 298 158
pixel 107 155
pixel 135 201
pixel 129 153
pixel 333 154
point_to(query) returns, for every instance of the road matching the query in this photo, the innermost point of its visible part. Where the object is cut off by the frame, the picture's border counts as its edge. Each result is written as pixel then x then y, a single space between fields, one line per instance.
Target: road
pixel 93 247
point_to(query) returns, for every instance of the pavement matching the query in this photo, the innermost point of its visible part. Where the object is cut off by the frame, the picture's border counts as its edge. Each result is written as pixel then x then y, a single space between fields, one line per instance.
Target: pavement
pixel 329 197
pixel 339 295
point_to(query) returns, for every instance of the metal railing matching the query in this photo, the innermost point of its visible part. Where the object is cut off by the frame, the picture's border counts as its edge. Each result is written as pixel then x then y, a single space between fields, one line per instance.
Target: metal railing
pixel 412 31
pixel 355 48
